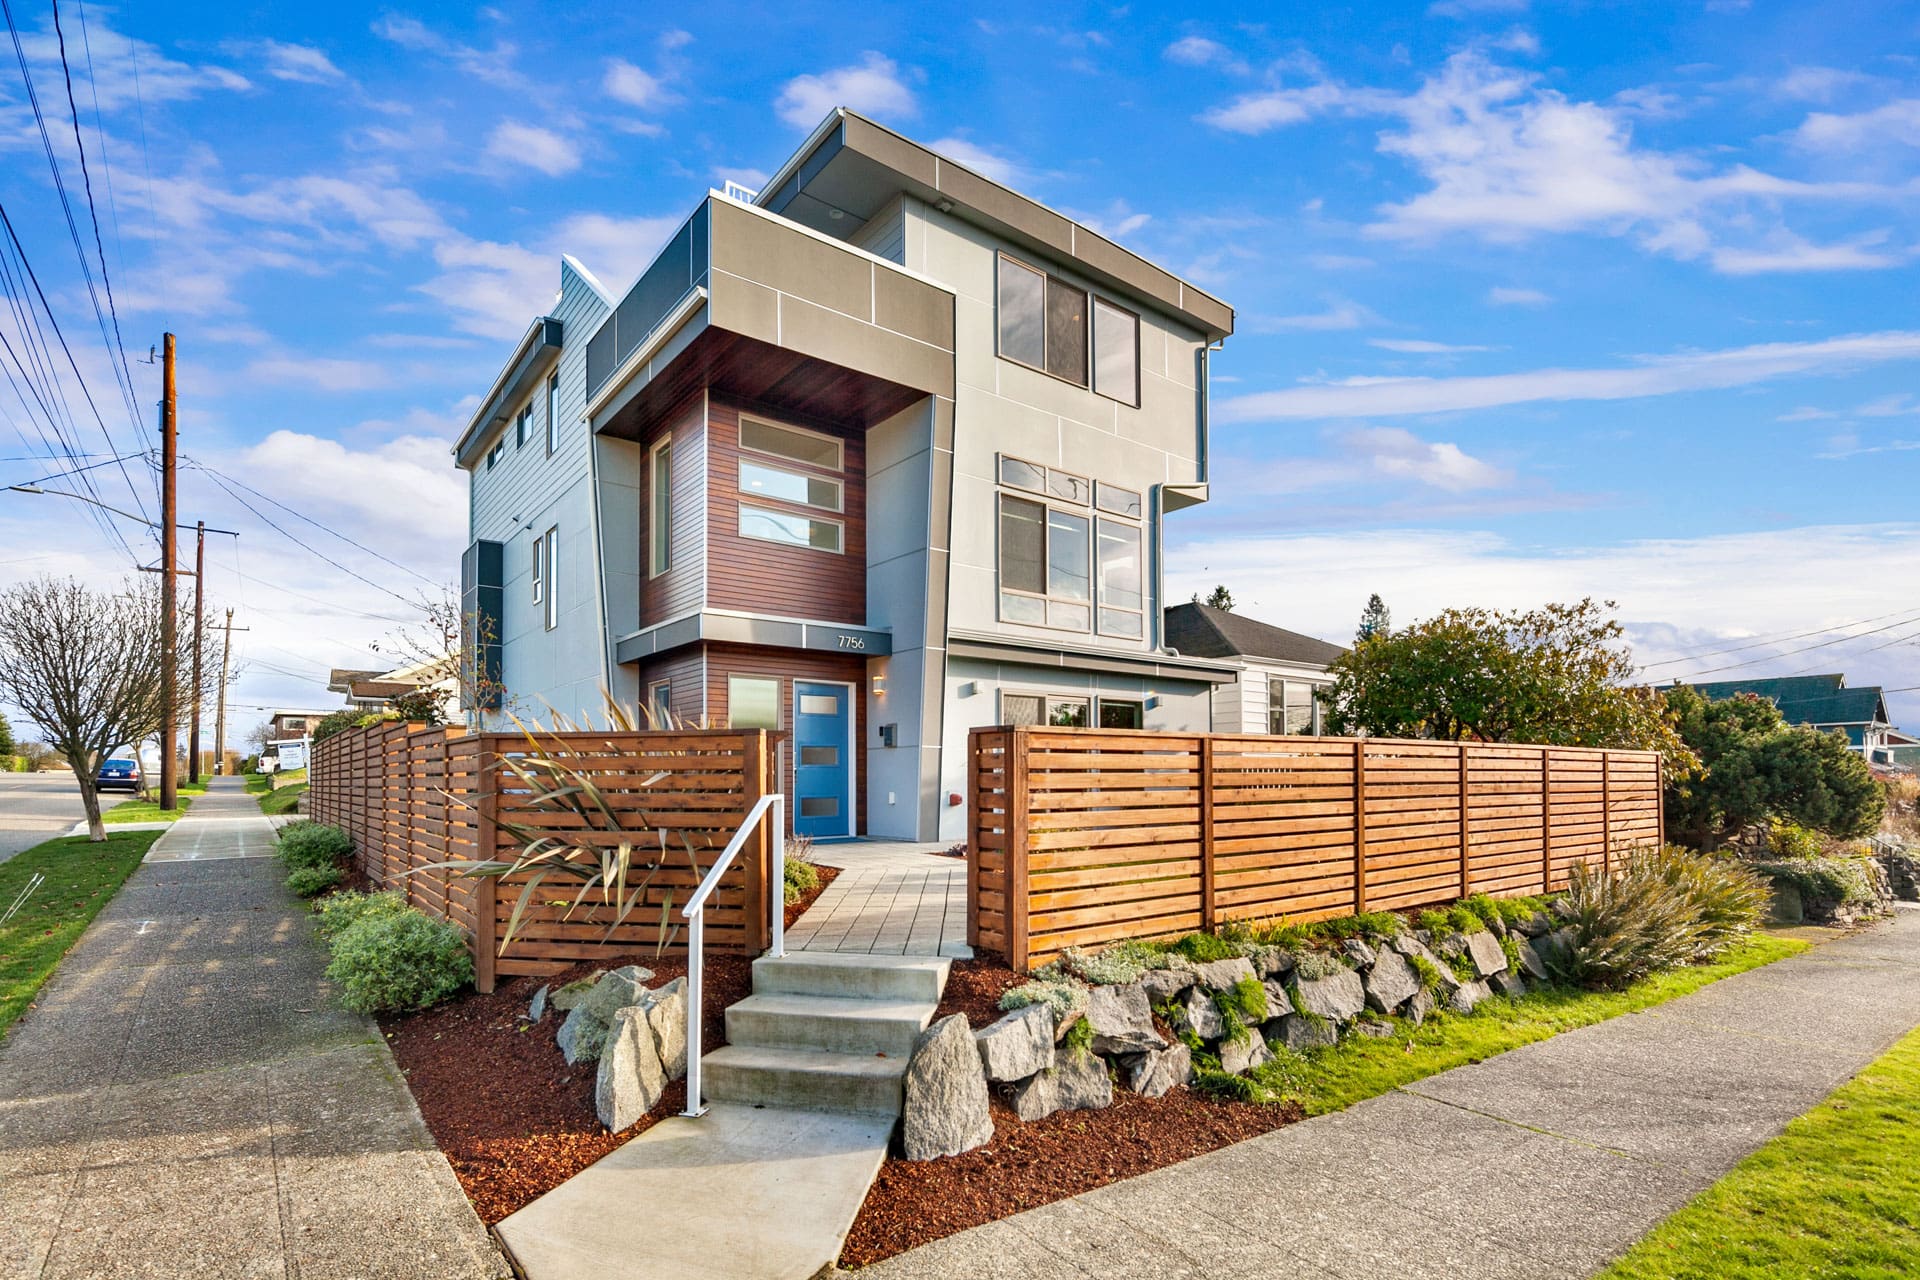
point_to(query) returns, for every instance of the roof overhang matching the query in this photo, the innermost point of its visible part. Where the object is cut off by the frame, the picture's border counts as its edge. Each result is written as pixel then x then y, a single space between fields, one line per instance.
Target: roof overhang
pixel 741 628
pixel 996 648
pixel 538 348
pixel 849 168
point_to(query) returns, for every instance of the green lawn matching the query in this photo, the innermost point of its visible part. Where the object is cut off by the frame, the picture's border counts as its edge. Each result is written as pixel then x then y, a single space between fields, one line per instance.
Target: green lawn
pixel 81 878
pixel 1836 1194
pixel 274 803
pixel 1357 1068
pixel 258 784
pixel 136 810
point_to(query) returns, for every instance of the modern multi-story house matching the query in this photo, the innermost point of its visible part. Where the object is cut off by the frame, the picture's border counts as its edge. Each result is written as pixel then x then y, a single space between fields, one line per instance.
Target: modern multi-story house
pixel 873 456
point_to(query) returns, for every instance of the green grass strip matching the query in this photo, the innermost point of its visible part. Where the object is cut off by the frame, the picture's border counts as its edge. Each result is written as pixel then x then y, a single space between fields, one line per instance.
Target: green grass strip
pixel 275 803
pixel 81 879
pixel 1836 1194
pixel 1358 1068
pixel 148 810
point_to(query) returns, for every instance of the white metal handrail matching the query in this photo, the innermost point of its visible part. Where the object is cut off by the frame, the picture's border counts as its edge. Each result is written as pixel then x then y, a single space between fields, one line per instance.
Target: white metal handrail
pixel 695 914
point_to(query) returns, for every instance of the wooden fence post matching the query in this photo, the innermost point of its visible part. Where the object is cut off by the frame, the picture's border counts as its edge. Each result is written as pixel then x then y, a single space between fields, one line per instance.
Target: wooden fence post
pixel 976 823
pixel 488 797
pixel 759 868
pixel 1017 890
pixel 1546 819
pixel 1606 811
pixel 1466 870
pixel 1359 826
pixel 1660 797
pixel 1209 910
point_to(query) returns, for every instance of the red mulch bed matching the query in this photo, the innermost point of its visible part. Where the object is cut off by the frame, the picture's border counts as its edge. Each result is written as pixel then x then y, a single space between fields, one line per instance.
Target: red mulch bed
pixel 1028 1165
pixel 514 1120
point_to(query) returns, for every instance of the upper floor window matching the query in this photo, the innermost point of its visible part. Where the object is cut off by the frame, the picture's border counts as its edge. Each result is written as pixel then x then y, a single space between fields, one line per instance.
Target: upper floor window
pixel 551 555
pixel 539 570
pixel 1061 565
pixel 810 448
pixel 553 412
pixel 799 484
pixel 660 508
pixel 1058 328
pixel 496 453
pixel 522 425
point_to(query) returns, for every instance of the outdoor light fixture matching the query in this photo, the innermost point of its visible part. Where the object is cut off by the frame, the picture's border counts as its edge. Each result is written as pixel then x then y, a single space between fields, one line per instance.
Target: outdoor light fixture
pixel 879 685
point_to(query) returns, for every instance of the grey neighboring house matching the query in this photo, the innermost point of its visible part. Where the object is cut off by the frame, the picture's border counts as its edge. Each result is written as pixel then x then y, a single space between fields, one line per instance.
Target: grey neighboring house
pixel 873 456
pixel 1279 671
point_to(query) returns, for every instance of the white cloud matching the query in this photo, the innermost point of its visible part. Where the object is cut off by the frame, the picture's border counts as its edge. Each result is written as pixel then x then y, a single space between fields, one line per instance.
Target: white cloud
pixel 1474 8
pixel 1508 296
pixel 1894 122
pixel 1677 596
pixel 873 86
pixel 980 159
pixel 615 249
pixel 1257 113
pixel 1397 452
pixel 1341 313
pixel 627 83
pixel 1338 261
pixel 1819 84
pixel 324 373
pixel 1198 51
pixel 1423 347
pixel 1789 253
pixel 325 478
pixel 1898 405
pixel 300 63
pixel 494 66
pixel 1652 376
pixel 534 147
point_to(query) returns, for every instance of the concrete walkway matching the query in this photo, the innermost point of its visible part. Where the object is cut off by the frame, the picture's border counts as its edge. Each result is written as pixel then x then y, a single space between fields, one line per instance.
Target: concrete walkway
pixel 188 1099
pixel 1546 1161
pixel 891 898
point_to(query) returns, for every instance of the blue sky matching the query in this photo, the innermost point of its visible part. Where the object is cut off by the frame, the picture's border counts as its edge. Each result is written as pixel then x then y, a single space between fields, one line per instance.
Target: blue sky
pixel 1535 301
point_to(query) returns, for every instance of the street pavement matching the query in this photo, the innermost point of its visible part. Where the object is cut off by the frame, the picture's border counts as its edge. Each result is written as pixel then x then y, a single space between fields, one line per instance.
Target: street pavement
pixel 187 1097
pixel 36 807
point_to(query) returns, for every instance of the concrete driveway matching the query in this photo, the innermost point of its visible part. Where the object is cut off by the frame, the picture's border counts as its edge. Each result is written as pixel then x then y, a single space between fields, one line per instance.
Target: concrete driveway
pixel 36 807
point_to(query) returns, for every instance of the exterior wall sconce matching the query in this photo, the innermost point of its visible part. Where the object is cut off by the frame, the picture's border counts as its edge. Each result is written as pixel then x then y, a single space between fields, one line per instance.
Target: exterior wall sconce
pixel 968 689
pixel 1153 701
pixel 879 686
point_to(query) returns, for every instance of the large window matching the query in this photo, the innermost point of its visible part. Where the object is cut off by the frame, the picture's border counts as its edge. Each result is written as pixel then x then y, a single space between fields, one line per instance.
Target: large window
pixel 753 702
pixel 1051 560
pixel 1059 328
pixel 791 443
pixel 550 555
pixel 800 485
pixel 1291 707
pixel 553 412
pixel 660 515
pixel 791 529
pixel 763 481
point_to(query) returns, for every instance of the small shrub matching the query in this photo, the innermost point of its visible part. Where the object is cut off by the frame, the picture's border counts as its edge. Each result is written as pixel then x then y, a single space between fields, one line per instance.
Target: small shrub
pixel 1066 997
pixel 313 844
pixel 1436 924
pixel 1431 980
pixel 1462 966
pixel 1079 1038
pixel 1225 1087
pixel 1116 966
pixel 1822 879
pixel 1205 948
pixel 1659 909
pixel 1791 840
pixel 336 913
pixel 399 961
pixel 1510 947
pixel 1311 966
pixel 802 878
pixel 1246 999
pixel 308 882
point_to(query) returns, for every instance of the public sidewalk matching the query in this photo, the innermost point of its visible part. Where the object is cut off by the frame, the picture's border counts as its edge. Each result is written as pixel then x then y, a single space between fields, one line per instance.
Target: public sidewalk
pixel 188 1098
pixel 1546 1161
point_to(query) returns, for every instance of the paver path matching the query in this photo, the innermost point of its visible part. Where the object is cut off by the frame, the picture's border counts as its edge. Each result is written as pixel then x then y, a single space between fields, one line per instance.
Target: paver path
pixel 1546 1161
pixel 188 1099
pixel 890 898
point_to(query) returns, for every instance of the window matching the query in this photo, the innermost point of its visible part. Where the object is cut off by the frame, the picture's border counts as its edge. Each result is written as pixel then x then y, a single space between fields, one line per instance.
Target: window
pixel 1038 709
pixel 1021 708
pixel 1120 597
pixel 660 704
pixel 1069 573
pixel 764 481
pixel 1067 713
pixel 1116 352
pixel 790 529
pixel 539 570
pixel 1122 713
pixel 1059 328
pixel 1118 501
pixel 551 554
pixel 753 702
pixel 1016 474
pixel 1291 707
pixel 496 453
pixel 791 443
pixel 553 412
pixel 521 425
pixel 660 516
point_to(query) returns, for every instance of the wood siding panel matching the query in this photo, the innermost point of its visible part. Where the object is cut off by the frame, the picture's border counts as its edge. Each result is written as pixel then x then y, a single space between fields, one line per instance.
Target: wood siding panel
pixel 764 577
pixel 682 588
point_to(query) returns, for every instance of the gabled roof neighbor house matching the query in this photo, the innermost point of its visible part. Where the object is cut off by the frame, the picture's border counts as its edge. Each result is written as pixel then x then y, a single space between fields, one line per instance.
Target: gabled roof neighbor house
pixel 1823 701
pixel 1278 671
pixel 873 456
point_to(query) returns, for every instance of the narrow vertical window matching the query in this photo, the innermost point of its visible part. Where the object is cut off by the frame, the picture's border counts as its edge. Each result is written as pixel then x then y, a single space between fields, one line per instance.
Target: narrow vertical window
pixel 1023 313
pixel 539 570
pixel 553 412
pixel 660 496
pixel 1116 352
pixel 551 556
pixel 660 704
pixel 1066 331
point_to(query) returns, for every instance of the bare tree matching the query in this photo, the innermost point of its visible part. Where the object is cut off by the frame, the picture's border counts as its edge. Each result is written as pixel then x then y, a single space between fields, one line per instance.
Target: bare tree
pixel 85 667
pixel 434 644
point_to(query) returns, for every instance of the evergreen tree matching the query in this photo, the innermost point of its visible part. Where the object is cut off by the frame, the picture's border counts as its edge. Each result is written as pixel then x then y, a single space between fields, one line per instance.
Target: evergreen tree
pixel 6 744
pixel 1374 619
pixel 1219 598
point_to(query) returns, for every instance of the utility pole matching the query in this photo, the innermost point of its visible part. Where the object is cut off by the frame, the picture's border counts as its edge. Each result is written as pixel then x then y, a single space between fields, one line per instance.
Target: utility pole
pixel 169 614
pixel 199 608
pixel 220 714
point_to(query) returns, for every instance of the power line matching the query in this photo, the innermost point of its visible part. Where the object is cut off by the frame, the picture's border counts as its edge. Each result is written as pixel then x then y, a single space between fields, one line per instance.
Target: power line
pixel 1773 657
pixel 307 547
pixel 221 475
pixel 1767 640
pixel 55 475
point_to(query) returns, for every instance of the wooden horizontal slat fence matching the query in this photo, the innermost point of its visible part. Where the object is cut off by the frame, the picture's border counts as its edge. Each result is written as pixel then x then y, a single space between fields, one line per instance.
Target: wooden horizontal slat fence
pixel 1083 837
pixel 412 796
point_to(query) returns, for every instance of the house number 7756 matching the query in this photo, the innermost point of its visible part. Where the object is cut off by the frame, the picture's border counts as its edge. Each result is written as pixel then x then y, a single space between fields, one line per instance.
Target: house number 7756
pixel 853 642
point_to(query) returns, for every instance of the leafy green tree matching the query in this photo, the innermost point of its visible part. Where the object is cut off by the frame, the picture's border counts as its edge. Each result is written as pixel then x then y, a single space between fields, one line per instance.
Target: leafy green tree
pixel 1375 620
pixel 1755 766
pixel 336 722
pixel 1558 675
pixel 1219 598
pixel 6 744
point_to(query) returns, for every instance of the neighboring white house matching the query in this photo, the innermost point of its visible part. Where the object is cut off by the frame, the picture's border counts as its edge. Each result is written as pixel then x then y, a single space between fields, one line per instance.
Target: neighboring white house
pixel 1280 670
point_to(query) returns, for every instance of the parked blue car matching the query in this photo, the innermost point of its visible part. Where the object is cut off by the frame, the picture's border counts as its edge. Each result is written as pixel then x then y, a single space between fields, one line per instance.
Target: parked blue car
pixel 118 775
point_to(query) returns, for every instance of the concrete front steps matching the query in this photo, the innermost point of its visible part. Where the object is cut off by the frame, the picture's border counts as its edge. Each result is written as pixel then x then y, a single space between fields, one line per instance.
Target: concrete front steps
pixel 802 1103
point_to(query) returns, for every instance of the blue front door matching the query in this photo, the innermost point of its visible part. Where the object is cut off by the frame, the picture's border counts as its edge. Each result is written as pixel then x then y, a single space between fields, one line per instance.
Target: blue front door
pixel 822 771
